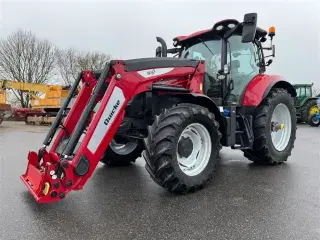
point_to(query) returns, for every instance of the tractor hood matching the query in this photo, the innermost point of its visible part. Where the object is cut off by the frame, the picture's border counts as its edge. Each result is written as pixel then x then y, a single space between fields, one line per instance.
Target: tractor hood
pixel 158 62
pixel 138 64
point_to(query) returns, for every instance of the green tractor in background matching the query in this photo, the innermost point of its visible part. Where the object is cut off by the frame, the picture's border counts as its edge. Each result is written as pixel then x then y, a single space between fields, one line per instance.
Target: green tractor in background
pixel 306 104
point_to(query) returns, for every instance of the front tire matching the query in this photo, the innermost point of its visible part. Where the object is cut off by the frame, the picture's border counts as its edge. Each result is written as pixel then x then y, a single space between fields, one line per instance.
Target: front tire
pixel 313 121
pixel 271 146
pixel 182 148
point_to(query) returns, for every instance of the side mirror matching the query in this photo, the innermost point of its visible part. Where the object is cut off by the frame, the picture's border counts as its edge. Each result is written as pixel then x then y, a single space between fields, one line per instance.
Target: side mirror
pixel 269 62
pixel 249 27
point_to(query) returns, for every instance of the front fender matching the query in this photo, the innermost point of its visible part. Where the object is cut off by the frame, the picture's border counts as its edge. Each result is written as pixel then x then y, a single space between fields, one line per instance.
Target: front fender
pixel 260 87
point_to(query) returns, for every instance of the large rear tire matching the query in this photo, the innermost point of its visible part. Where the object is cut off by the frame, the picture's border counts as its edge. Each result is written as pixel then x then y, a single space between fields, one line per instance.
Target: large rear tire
pixel 122 154
pixel 309 109
pixel 271 146
pixel 182 148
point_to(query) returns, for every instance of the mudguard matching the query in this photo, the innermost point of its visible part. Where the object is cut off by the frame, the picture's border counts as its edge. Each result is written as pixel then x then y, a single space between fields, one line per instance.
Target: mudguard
pixel 261 85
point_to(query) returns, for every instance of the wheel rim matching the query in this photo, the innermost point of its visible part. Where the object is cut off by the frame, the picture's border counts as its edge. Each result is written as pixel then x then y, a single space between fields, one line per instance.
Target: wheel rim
pixel 122 149
pixel 315 120
pixel 199 156
pixel 313 110
pixel 281 127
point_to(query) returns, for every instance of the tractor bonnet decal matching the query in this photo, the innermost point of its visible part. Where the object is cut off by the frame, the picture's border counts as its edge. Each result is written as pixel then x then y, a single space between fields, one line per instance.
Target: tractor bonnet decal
pixel 154 72
pixel 110 112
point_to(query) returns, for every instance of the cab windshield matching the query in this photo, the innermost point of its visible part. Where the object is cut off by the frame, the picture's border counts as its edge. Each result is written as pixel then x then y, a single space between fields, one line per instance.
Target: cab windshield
pixel 209 50
pixel 243 59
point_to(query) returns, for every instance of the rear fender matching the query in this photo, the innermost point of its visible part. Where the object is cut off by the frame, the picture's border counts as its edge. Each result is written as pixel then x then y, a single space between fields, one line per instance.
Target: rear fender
pixel 309 99
pixel 260 87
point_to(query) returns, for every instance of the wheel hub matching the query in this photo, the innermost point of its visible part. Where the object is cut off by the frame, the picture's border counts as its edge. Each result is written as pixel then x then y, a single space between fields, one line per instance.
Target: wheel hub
pixel 275 126
pixel 313 110
pixel 185 147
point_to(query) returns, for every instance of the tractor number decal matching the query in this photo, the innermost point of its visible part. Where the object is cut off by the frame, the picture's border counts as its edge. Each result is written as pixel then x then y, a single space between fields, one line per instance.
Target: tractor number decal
pixel 154 72
pixel 110 112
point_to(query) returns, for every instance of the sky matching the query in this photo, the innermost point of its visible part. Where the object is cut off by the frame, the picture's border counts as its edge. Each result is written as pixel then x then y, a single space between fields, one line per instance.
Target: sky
pixel 128 29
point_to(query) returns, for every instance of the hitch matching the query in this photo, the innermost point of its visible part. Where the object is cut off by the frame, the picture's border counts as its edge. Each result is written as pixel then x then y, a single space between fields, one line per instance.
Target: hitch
pixel 40 179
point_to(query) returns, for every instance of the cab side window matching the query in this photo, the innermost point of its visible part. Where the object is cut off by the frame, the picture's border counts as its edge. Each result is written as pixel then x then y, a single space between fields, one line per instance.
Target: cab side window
pixel 244 65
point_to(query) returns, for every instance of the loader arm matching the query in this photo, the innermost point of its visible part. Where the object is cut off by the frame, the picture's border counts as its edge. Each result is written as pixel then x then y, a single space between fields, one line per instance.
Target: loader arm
pixel 80 144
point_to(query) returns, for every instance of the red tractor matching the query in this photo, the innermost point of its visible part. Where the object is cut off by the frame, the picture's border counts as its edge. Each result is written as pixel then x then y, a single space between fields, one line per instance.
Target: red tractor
pixel 177 112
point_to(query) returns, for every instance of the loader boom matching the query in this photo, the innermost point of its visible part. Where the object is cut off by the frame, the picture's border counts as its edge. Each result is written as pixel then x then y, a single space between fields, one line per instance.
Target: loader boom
pixel 70 163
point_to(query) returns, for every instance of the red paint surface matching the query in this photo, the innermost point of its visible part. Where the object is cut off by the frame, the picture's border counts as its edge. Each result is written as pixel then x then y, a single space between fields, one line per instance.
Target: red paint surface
pixel 257 87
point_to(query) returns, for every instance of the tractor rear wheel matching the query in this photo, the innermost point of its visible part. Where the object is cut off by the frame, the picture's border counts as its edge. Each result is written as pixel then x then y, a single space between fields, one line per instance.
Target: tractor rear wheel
pixel 308 109
pixel 313 121
pixel 274 129
pixel 122 153
pixel 182 148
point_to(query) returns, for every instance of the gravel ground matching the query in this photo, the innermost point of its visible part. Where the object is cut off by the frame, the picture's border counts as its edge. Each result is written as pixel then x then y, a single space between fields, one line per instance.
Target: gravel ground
pixel 245 201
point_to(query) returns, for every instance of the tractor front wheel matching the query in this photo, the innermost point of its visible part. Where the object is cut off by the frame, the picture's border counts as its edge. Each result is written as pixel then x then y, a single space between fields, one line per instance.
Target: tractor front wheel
pixel 182 148
pixel 274 129
pixel 313 121
pixel 122 153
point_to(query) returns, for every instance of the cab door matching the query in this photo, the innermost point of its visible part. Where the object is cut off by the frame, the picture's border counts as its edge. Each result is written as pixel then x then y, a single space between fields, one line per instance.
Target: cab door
pixel 243 61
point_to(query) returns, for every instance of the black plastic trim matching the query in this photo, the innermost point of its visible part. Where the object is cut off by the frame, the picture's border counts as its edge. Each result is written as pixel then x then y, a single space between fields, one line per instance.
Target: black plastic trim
pixel 82 167
pixel 166 88
pixel 286 85
pixel 158 62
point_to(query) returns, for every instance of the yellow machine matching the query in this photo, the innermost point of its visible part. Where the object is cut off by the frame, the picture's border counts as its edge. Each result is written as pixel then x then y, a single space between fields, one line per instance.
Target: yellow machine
pixel 5 109
pixel 50 103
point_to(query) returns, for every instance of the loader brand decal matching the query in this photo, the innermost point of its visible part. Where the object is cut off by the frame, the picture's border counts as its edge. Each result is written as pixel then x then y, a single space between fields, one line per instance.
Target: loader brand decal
pixel 109 114
pixel 154 72
pixel 115 107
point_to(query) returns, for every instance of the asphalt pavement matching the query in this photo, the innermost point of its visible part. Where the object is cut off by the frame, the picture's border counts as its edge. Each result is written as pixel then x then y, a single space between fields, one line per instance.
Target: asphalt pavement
pixel 245 201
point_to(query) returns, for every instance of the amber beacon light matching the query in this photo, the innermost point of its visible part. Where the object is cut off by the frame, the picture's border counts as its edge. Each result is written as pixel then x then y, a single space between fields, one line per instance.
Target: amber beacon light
pixel 272 32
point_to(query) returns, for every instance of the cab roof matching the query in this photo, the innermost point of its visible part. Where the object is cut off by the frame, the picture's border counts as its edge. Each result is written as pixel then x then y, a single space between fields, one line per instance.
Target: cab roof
pixel 217 32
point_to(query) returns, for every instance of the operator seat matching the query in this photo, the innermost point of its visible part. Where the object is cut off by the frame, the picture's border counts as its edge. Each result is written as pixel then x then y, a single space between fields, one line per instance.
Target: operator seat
pixel 237 77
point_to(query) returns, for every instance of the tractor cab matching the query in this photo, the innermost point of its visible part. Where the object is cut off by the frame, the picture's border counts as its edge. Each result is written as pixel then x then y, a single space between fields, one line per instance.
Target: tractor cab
pixel 304 91
pixel 233 55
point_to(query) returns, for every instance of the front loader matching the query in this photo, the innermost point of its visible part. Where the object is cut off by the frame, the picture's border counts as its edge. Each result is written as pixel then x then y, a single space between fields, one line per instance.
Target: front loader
pixel 175 112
